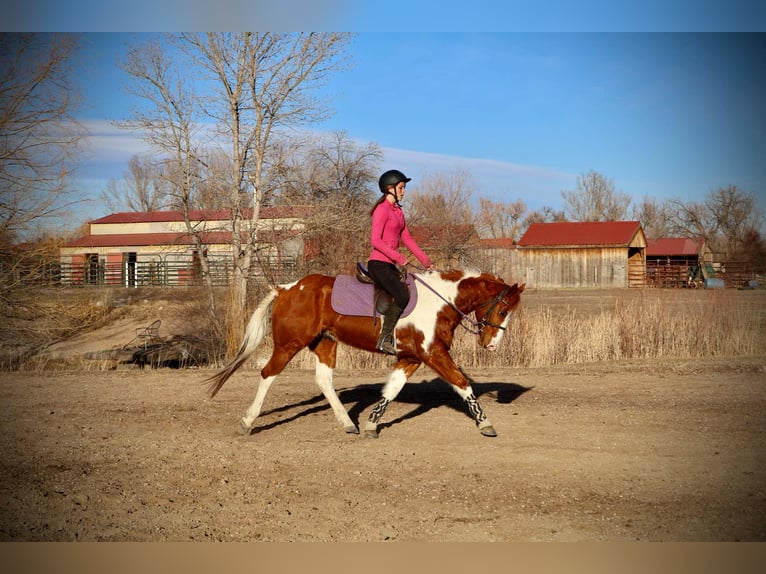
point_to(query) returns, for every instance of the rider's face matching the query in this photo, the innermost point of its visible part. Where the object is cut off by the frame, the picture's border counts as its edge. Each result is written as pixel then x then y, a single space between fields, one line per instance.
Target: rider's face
pixel 399 189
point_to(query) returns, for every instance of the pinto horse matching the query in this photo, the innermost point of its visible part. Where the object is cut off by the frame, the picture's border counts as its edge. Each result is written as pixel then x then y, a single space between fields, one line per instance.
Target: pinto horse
pixel 302 316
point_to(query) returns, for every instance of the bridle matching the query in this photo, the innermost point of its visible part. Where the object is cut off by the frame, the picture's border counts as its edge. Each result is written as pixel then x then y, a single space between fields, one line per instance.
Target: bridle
pixel 492 304
pixel 477 326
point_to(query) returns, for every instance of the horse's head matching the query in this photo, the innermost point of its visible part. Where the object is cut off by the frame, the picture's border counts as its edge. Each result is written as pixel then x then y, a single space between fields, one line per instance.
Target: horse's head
pixel 494 313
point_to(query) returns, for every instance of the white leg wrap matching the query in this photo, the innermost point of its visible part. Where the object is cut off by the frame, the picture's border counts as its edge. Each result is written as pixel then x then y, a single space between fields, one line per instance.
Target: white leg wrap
pixel 474 408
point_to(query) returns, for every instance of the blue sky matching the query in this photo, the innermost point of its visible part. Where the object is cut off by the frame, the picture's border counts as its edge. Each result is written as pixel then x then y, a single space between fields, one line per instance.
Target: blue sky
pixel 664 97
pixel 664 115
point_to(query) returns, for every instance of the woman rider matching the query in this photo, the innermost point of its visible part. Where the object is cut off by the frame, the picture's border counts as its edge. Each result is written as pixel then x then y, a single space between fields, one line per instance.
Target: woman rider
pixel 388 227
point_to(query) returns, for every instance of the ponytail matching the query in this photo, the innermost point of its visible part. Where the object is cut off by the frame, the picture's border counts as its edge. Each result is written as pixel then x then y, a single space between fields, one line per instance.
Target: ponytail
pixel 377 203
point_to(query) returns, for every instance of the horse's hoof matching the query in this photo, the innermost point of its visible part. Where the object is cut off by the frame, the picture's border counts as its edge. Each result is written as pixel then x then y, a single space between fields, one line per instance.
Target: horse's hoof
pixel 371 434
pixel 351 430
pixel 488 431
pixel 244 429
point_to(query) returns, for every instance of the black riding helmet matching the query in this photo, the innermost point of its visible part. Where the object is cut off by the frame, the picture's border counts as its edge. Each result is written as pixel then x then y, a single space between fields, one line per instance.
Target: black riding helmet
pixel 391 177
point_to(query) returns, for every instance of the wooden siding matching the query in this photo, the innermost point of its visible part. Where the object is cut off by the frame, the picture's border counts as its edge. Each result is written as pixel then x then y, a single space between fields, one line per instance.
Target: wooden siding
pixel 574 267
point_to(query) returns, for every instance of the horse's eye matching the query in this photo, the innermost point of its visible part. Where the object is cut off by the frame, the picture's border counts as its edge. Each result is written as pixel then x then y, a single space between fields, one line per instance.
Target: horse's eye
pixel 503 313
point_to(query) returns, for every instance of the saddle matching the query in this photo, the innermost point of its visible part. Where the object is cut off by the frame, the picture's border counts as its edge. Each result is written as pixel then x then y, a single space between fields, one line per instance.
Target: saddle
pixel 358 295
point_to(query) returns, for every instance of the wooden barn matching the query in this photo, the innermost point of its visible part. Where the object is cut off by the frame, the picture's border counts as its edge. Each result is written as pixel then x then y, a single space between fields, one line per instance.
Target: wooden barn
pixel 582 254
pixel 498 255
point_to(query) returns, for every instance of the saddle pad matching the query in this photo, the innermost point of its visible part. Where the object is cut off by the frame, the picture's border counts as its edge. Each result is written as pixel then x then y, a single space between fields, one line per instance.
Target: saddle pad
pixel 352 297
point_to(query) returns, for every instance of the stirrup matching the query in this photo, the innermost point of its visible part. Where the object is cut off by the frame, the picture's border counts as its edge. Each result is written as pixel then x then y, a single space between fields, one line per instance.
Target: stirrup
pixel 386 345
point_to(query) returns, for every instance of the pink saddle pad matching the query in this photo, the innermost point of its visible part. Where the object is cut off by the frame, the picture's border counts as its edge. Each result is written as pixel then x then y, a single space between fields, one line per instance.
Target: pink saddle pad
pixel 352 297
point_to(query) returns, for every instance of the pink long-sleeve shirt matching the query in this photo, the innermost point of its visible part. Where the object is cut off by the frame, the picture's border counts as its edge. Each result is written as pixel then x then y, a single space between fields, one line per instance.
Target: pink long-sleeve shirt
pixel 388 226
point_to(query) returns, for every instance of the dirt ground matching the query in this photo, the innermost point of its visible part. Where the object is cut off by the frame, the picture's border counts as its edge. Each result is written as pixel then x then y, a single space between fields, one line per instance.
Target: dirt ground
pixel 620 452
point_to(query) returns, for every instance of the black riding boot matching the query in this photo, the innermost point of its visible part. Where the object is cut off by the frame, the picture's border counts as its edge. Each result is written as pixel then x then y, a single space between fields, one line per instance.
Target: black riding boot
pixel 387 339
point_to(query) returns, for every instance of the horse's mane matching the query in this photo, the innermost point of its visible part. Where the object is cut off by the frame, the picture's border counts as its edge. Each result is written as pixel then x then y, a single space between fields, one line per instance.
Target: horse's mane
pixel 468 272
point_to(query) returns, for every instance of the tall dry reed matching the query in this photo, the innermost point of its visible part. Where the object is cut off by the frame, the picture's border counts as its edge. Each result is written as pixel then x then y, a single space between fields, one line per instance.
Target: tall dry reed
pixel 657 325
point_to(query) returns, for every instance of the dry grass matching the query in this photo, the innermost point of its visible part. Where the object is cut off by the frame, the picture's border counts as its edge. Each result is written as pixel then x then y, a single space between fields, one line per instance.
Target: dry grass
pixel 571 327
pixel 628 326
pixel 550 328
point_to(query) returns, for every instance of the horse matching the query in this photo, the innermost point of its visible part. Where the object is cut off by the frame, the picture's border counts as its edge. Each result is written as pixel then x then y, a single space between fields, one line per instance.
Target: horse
pixel 302 316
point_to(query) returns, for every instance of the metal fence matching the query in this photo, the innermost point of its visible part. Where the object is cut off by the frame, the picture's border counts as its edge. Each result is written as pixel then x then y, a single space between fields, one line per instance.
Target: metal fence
pixel 160 272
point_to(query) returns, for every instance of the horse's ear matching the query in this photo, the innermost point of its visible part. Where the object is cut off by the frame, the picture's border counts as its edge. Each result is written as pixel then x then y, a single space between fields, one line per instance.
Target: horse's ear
pixel 521 288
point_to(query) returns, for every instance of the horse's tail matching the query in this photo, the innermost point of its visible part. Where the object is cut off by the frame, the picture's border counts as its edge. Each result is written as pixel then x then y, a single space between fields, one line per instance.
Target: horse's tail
pixel 254 334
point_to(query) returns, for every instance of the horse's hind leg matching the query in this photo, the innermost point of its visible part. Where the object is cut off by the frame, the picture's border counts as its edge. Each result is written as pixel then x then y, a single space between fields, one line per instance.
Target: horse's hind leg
pixel 325 351
pixel 247 422
pixel 277 362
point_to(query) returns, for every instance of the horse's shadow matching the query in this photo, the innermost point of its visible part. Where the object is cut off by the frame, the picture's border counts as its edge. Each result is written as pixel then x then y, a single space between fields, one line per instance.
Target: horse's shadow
pixel 425 396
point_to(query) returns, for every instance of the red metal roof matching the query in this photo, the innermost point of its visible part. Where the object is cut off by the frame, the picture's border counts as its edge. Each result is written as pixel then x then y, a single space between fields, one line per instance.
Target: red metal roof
pixel 674 246
pixel 163 239
pixel 498 243
pixel 143 239
pixel 580 233
pixel 200 215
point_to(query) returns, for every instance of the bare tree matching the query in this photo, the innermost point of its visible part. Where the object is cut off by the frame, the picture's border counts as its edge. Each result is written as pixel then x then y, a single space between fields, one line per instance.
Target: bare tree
pixel 169 124
pixel 545 214
pixel 40 142
pixel 215 180
pixel 736 214
pixel 336 177
pixel 252 84
pixel 497 219
pixel 655 217
pixel 144 187
pixel 265 82
pixel 39 147
pixel 440 205
pixel 595 199
pixel 442 198
pixel 311 168
pixel 725 220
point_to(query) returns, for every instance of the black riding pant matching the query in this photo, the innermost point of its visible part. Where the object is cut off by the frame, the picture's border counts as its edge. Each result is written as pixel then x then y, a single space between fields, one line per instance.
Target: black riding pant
pixel 387 276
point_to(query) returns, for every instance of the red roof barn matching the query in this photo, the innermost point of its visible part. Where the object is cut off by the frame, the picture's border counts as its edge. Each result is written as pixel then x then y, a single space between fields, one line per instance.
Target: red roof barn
pixel 583 254
pixel 156 248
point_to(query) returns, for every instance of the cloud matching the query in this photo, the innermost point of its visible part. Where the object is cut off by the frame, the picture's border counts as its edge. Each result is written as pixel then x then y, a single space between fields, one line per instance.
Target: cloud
pixel 109 148
pixel 496 180
pixel 108 144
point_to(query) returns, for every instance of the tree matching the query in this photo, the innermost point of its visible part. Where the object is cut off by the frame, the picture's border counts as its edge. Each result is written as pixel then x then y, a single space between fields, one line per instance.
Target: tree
pixel 168 124
pixel 655 217
pixel 726 219
pixel 251 86
pixel 144 187
pixel 595 199
pixel 336 177
pixel 441 206
pixel 752 250
pixel 311 168
pixel 39 148
pixel 735 215
pixel 40 143
pixel 442 198
pixel 545 214
pixel 497 219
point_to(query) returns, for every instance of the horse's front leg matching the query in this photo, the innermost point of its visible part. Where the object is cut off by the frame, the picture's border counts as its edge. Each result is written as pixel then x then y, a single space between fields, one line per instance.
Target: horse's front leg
pixel 326 354
pixel 403 370
pixel 441 362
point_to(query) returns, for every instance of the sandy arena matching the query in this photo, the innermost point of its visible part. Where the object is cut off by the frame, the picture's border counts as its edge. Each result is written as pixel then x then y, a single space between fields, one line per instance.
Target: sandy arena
pixel 621 452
